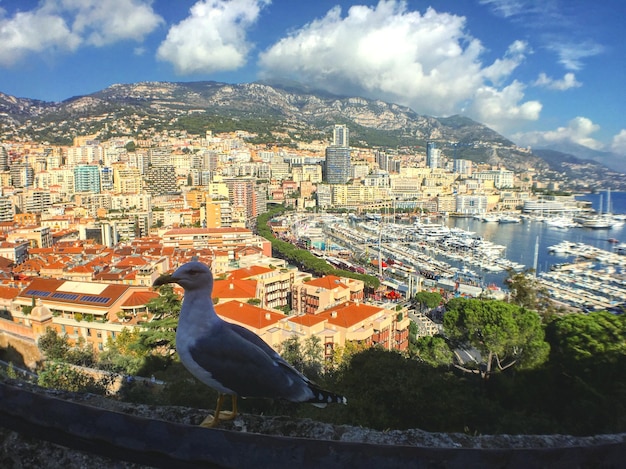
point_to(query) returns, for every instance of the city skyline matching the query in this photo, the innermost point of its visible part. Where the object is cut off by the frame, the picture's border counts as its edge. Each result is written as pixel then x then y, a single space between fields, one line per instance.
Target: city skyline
pixel 538 72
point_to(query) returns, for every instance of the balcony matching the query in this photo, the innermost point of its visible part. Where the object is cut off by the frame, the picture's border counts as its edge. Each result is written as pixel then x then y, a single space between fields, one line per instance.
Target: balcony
pixel 360 334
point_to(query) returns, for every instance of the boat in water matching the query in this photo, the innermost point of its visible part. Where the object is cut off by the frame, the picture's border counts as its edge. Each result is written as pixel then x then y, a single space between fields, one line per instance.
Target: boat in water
pixel 599 222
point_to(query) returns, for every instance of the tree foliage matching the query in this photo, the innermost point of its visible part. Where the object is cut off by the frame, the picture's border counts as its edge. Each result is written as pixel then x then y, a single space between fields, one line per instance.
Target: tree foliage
pixel 53 346
pixel 160 334
pixel 387 390
pixel 306 356
pixel 342 355
pixel 60 375
pixel 428 300
pixel 124 353
pixel 57 347
pixel 434 350
pixel 576 337
pixel 527 292
pixel 503 334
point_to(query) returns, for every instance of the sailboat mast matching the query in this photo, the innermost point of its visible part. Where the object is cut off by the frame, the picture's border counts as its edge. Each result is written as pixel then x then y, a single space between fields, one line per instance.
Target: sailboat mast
pixel 536 256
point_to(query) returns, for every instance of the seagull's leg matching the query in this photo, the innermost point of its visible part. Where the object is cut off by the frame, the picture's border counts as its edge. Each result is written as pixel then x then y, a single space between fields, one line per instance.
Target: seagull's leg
pixel 229 415
pixel 212 420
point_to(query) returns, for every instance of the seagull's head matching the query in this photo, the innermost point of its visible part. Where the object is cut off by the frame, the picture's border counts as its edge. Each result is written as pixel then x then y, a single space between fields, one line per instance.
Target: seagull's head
pixel 191 276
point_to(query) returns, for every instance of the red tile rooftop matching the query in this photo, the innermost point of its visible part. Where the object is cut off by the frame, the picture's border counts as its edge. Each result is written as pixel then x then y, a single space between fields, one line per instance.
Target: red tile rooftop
pixel 307 319
pixel 81 268
pixel 234 288
pixel 349 314
pixel 206 230
pixel 140 298
pixel 248 272
pixel 132 261
pixel 70 250
pixel 329 282
pixel 8 293
pixel 248 314
pixel 33 251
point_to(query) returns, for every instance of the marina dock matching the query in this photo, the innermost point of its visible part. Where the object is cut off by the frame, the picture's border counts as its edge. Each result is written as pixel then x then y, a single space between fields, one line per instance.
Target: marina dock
pixel 456 259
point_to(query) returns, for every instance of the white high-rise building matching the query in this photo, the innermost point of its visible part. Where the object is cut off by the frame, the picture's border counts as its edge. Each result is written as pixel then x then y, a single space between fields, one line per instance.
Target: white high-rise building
pixel 341 136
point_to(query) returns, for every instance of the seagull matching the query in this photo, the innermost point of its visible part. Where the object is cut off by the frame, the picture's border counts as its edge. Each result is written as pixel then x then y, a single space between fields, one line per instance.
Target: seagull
pixel 229 358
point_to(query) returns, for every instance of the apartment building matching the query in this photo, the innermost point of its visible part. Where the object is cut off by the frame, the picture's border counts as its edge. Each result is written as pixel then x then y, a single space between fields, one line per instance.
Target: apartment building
pixel 273 285
pixel 84 311
pixel 217 238
pixel 316 295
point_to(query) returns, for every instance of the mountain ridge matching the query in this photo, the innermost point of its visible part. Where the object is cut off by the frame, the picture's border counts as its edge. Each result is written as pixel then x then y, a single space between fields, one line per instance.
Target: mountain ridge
pixel 288 108
pixel 291 105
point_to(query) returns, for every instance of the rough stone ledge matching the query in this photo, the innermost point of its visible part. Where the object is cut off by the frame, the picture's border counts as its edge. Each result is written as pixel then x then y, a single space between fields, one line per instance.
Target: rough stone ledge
pixel 446 450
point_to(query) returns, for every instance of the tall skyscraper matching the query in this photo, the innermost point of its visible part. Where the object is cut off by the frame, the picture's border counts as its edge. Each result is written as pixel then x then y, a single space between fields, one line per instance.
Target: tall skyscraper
pixel 341 136
pixel 433 156
pixel 4 159
pixel 337 167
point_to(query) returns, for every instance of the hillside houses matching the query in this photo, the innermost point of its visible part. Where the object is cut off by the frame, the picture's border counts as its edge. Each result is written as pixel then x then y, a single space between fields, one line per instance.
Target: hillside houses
pixel 90 292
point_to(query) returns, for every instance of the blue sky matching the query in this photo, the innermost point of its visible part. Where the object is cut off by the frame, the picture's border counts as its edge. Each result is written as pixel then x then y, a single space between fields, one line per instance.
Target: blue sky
pixel 538 71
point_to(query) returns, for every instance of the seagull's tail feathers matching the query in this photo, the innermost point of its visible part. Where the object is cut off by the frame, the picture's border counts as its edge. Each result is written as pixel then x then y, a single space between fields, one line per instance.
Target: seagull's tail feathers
pixel 321 397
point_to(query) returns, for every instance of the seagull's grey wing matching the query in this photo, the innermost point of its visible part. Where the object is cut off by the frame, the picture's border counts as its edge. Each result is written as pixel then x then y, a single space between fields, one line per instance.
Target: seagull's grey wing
pixel 241 362
pixel 255 339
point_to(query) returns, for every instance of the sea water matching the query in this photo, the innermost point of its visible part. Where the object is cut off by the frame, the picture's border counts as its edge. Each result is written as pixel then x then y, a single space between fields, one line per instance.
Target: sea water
pixel 523 239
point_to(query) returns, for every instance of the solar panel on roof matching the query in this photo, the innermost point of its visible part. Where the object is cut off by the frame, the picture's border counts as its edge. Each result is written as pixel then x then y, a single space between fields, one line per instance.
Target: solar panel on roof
pixel 95 299
pixel 64 296
pixel 37 293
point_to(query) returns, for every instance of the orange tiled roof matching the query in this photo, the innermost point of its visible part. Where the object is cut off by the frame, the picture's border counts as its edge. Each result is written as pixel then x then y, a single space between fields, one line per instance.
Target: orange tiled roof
pixel 8 293
pixel 234 288
pixel 55 265
pixel 180 231
pixel 81 268
pixel 6 263
pixel 329 282
pixel 132 261
pixel 307 319
pixel 131 275
pixel 140 298
pixel 70 250
pixel 247 272
pixel 248 314
pixel 349 314
pixel 33 251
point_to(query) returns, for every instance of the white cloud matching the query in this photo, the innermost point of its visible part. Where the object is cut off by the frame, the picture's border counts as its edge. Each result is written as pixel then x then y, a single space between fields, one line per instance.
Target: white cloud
pixel 506 8
pixel 426 61
pixel 568 81
pixel 65 25
pixel 33 31
pixel 619 143
pixel 501 109
pixel 578 131
pixel 571 54
pixel 103 22
pixel 502 68
pixel 213 37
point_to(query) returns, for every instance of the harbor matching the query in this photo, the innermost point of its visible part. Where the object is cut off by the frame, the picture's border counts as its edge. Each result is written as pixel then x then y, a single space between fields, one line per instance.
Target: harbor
pixel 580 267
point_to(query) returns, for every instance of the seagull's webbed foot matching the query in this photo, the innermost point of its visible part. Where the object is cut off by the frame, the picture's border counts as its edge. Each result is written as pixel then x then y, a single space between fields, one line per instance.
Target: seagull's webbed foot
pixel 219 415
